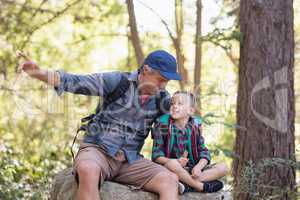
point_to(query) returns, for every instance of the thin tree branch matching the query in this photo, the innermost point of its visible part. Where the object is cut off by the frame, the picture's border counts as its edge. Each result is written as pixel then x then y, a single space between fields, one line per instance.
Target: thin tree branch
pixel 37 10
pixel 234 61
pixel 134 36
pixel 97 35
pixel 161 19
pixel 37 27
pixel 15 92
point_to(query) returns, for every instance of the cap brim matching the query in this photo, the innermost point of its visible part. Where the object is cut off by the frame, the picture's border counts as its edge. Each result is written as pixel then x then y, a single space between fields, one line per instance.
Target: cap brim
pixel 170 76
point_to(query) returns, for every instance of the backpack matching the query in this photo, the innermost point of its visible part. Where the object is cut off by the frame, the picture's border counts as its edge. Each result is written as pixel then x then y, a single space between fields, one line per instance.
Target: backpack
pixel 116 94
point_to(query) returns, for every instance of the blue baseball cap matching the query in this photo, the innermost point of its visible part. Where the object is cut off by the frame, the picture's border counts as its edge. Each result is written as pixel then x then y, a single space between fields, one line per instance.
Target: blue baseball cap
pixel 164 62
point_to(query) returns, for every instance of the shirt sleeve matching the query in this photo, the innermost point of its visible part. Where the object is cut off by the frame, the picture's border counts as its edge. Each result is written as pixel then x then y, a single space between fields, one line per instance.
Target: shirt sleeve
pixel 97 84
pixel 158 148
pixel 203 151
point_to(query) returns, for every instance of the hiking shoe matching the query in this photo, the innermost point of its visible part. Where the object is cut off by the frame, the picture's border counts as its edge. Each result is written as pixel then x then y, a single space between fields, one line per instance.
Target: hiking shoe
pixel 212 186
pixel 188 188
pixel 181 188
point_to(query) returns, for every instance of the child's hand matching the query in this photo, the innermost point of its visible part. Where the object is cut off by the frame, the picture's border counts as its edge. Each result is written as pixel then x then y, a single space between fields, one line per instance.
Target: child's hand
pixel 196 171
pixel 183 161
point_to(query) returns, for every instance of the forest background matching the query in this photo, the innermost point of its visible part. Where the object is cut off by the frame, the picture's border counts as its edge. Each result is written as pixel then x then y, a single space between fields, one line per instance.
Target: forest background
pixel 89 36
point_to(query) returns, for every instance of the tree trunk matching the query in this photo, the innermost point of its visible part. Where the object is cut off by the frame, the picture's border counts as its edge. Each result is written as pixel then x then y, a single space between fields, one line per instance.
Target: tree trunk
pixel 128 63
pixel 178 42
pixel 198 54
pixel 134 36
pixel 265 102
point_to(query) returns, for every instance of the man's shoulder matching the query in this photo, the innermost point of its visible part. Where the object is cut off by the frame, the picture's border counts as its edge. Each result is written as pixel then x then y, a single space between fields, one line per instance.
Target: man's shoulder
pixel 114 74
pixel 114 79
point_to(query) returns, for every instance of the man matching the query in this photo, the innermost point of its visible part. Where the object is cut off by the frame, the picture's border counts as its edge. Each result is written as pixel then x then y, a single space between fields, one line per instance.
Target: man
pixel 115 136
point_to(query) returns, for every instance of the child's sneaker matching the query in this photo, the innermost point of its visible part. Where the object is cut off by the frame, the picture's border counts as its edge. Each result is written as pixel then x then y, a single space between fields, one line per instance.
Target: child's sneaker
pixel 212 186
pixel 181 188
pixel 188 188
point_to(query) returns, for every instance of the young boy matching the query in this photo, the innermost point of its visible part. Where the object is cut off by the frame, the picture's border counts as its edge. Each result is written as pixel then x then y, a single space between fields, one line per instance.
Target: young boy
pixel 179 146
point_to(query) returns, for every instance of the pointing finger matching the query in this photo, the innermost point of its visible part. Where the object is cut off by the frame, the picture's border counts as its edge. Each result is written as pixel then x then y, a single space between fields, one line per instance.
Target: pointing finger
pixel 23 55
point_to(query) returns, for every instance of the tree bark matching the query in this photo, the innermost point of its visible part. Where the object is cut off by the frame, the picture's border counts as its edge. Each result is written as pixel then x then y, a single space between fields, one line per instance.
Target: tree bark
pixel 134 36
pixel 178 42
pixel 176 39
pixel 265 102
pixel 198 54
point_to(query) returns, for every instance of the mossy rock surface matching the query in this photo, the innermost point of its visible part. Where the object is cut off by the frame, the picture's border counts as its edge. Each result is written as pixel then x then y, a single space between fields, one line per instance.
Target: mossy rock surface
pixel 64 188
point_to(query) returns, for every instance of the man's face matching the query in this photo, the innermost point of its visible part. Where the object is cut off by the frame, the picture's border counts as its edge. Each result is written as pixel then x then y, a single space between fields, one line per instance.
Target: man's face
pixel 151 81
pixel 181 106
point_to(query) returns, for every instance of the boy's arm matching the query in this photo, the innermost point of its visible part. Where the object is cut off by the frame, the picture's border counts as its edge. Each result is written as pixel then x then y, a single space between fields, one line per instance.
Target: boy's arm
pixel 204 155
pixel 162 160
pixel 158 148
pixel 97 84
pixel 203 151
pixel 202 163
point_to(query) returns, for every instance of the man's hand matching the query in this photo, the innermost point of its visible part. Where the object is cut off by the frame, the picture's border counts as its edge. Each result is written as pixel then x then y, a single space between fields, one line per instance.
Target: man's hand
pixel 28 65
pixel 32 69
pixel 196 171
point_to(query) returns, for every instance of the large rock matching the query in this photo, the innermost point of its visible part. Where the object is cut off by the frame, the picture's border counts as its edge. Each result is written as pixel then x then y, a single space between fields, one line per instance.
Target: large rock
pixel 64 188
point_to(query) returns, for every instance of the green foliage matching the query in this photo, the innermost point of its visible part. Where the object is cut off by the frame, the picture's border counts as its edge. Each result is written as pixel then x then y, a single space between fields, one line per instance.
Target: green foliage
pixel 77 36
pixel 27 176
pixel 253 181
pixel 34 147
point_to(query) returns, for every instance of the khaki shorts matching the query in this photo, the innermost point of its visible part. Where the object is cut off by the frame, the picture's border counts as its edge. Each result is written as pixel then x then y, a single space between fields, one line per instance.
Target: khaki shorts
pixel 136 174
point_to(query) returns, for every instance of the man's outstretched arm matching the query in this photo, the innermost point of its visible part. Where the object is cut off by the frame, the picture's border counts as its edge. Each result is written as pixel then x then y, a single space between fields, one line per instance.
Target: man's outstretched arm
pixel 97 84
pixel 33 70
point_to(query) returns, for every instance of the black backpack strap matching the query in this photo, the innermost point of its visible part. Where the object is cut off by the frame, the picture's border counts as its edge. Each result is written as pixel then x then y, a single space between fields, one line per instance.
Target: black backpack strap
pixel 82 128
pixel 160 102
pixel 117 93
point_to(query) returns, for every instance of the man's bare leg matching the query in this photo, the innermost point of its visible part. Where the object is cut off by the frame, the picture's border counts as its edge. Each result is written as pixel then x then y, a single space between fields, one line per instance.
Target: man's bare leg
pixel 217 171
pixel 183 175
pixel 89 174
pixel 165 184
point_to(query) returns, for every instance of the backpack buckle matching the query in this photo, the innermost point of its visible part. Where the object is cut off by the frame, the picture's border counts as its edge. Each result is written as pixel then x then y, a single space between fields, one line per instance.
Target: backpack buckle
pixel 88 118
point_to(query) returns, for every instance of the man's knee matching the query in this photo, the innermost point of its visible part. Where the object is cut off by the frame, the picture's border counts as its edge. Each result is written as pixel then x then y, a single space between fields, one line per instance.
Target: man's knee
pixel 168 181
pixel 88 170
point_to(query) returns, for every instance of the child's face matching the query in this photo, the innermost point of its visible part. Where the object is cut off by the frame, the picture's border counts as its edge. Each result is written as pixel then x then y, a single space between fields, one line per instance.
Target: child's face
pixel 181 106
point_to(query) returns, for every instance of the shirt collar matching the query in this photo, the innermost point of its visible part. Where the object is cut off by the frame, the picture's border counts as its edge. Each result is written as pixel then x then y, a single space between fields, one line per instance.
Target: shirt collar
pixel 189 124
pixel 133 76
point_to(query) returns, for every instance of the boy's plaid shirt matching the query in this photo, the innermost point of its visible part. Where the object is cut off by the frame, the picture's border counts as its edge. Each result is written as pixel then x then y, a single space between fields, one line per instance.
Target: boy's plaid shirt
pixel 181 141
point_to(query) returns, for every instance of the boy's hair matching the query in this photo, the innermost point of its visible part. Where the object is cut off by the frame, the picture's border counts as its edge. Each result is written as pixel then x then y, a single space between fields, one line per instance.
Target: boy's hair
pixel 190 95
